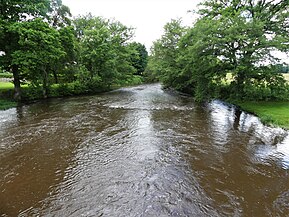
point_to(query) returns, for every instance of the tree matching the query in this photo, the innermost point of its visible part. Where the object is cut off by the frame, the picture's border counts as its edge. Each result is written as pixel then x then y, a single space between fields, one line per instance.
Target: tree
pixel 67 64
pixel 60 19
pixel 103 49
pixel 247 33
pixel 201 69
pixel 165 52
pixel 139 57
pixel 15 11
pixel 38 49
pixel 234 37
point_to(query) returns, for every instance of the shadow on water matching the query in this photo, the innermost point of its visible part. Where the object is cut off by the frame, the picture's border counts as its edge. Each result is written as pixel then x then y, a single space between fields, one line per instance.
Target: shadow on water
pixel 140 151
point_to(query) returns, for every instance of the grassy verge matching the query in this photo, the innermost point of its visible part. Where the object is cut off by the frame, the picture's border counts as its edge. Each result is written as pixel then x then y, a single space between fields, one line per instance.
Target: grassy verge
pixel 272 113
pixel 7 104
pixel 6 85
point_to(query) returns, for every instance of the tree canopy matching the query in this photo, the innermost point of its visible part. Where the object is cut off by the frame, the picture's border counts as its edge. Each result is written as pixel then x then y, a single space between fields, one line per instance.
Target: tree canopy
pixel 42 45
pixel 233 38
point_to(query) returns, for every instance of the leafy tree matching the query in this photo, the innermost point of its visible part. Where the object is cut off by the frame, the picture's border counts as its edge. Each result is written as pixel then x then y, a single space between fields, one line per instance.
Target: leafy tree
pixel 230 36
pixel 38 49
pixel 16 11
pixel 67 64
pixel 103 49
pixel 201 69
pixel 247 33
pixel 60 19
pixel 139 57
pixel 165 53
pixel 85 22
pixel 151 73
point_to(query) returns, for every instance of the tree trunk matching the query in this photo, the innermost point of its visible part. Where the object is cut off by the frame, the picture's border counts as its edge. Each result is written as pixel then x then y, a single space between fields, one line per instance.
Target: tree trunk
pixel 55 77
pixel 16 81
pixel 45 83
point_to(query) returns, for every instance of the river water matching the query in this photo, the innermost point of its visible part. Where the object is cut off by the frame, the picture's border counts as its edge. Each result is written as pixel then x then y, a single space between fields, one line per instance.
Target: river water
pixel 140 151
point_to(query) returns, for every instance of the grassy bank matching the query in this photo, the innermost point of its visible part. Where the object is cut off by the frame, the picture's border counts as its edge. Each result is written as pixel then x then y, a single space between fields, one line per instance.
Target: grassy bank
pixel 7 104
pixel 272 113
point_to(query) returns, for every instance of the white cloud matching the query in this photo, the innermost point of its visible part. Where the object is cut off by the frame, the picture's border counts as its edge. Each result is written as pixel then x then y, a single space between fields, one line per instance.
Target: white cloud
pixel 147 16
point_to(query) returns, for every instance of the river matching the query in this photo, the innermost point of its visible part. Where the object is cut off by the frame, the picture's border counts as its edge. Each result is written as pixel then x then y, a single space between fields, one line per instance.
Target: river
pixel 140 151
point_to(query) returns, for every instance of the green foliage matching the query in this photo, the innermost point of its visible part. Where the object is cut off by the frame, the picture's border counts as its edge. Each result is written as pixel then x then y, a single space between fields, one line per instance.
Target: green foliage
pixel 40 46
pixel 151 72
pixel 131 81
pixel 103 50
pixel 247 32
pixel 64 69
pixel 139 57
pixel 32 93
pixel 59 14
pixel 234 37
pixel 165 54
pixel 13 12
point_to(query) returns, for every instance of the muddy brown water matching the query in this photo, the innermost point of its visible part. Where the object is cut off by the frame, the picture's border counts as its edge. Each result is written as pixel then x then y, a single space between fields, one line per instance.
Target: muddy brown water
pixel 140 151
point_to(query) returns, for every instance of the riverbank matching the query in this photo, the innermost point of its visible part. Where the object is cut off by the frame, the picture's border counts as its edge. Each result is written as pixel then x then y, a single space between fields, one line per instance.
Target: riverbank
pixel 6 92
pixel 270 113
pixel 7 104
pixel 32 94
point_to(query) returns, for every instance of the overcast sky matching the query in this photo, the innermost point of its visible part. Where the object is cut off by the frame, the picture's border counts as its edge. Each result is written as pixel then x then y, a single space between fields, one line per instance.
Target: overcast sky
pixel 147 16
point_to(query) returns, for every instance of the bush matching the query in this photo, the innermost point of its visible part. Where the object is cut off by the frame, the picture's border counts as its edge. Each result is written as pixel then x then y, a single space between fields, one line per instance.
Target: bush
pixel 32 93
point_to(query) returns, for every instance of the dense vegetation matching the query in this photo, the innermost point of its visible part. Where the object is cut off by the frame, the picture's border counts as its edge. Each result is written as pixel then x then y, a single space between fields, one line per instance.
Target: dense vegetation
pixel 230 37
pixel 55 55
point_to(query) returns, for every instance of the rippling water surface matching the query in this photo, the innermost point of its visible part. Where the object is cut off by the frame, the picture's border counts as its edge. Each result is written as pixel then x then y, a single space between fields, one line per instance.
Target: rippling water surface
pixel 140 151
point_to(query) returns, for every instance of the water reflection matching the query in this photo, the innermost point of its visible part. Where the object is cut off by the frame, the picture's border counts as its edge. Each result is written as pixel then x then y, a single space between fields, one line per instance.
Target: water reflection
pixel 266 142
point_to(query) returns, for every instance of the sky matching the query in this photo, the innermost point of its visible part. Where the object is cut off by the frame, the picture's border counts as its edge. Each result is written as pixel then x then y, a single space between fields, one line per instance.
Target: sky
pixel 148 17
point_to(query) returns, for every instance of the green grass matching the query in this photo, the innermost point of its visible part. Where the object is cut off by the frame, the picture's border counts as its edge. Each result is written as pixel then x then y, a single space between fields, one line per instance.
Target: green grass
pixel 6 85
pixel 9 85
pixel 6 104
pixel 273 113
